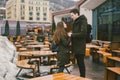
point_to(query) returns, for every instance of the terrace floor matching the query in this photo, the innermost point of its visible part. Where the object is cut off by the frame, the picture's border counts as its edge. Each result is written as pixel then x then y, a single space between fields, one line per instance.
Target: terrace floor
pixel 94 71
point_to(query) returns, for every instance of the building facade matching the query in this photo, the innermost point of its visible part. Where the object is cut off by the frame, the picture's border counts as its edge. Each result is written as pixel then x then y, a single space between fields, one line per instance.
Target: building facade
pixel 28 10
pixel 2 9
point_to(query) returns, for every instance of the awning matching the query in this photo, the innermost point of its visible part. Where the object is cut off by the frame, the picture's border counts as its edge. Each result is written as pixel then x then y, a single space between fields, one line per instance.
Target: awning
pixel 92 4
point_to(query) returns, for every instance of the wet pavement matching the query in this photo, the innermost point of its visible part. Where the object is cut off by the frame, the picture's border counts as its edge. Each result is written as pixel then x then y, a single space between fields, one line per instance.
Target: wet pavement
pixel 94 71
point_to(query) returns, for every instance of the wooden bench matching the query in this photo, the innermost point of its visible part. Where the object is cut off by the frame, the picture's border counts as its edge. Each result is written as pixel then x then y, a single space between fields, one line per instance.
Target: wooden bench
pixel 22 49
pixel 56 67
pixel 18 38
pixel 18 47
pixel 111 61
pixel 96 56
pixel 60 76
pixel 35 38
pixel 111 73
pixel 23 64
pixel 116 52
pixel 87 53
pixel 11 39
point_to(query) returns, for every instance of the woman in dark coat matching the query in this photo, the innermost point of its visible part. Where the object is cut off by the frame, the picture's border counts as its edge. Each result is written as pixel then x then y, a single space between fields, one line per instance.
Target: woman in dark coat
pixel 62 40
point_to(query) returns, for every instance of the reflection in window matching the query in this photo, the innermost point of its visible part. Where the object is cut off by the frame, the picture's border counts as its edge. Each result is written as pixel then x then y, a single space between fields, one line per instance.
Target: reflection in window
pixel 108 20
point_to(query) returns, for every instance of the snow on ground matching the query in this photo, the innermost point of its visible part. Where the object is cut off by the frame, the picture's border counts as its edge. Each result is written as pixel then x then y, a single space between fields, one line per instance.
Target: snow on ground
pixel 8 59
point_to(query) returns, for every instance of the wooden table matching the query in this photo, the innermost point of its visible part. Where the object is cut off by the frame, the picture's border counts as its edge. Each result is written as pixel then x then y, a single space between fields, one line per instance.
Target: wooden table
pixel 34 43
pixel 45 49
pixel 116 52
pixel 104 54
pixel 111 73
pixel 18 46
pixel 36 53
pixel 29 40
pixel 60 76
pixel 36 46
pixel 92 46
pixel 16 43
pixel 111 61
pixel 102 42
pixel 93 50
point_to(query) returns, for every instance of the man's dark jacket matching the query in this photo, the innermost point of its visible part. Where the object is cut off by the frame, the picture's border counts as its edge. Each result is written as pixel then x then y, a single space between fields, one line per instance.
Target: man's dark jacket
pixel 79 32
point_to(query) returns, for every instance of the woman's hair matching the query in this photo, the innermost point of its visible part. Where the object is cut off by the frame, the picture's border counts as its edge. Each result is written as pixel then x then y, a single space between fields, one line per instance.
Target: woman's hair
pixel 59 33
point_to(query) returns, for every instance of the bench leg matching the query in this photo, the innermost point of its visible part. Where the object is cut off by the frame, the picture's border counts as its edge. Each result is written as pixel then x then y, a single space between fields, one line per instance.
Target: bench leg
pixel 51 71
pixel 105 58
pixel 34 72
pixel 95 57
pixel 19 72
pixel 110 75
pixel 38 68
pixel 67 70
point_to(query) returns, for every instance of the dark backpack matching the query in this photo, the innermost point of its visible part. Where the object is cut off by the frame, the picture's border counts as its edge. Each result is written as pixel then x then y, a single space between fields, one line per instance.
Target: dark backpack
pixel 53 47
pixel 89 36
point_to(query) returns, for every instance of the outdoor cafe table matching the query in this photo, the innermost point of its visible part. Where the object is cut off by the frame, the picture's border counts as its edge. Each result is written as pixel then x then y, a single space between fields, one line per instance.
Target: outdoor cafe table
pixel 116 52
pixel 92 46
pixel 18 46
pixel 29 40
pixel 36 54
pixel 102 42
pixel 60 76
pixel 34 43
pixel 17 43
pixel 45 49
pixel 36 46
pixel 93 50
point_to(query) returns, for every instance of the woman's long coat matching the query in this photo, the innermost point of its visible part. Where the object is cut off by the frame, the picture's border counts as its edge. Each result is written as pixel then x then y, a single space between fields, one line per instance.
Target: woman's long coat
pixel 63 55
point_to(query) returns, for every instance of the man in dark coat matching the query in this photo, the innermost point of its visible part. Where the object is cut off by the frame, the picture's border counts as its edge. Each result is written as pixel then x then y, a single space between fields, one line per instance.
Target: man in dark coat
pixel 78 36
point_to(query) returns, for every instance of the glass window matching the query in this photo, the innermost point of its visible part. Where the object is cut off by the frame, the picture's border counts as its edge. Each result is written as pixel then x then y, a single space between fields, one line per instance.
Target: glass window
pixel 30 8
pixel 44 9
pixel 37 14
pixel 37 18
pixel 108 20
pixel 22 1
pixel 30 18
pixel 30 13
pixel 37 8
pixel 44 19
pixel 22 18
pixel 116 20
pixel 44 14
